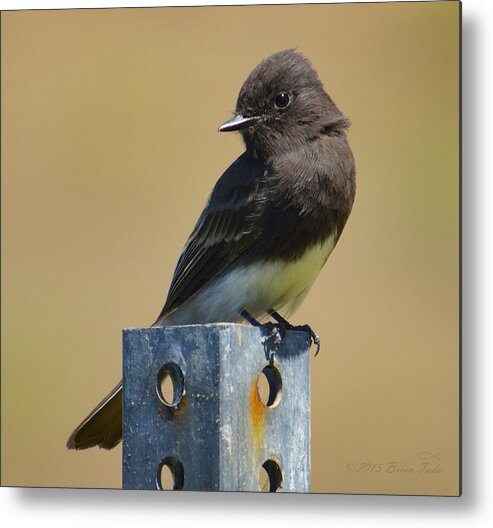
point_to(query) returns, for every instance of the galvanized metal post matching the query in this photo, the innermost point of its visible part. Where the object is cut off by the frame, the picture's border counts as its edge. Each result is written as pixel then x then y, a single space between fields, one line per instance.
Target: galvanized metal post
pixel 217 429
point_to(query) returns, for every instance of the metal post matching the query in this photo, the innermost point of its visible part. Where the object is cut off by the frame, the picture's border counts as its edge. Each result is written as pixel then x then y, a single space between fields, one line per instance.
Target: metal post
pixel 218 427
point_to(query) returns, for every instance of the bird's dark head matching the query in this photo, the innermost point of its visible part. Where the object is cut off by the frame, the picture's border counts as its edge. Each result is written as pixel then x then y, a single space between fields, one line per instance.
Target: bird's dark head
pixel 281 103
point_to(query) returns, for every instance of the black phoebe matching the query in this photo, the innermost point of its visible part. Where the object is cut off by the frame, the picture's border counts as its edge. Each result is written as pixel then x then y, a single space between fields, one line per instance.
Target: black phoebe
pixel 271 221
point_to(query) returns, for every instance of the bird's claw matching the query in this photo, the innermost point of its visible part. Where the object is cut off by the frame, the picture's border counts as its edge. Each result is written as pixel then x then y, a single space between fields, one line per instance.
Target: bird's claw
pixel 314 337
pixel 278 330
pixel 274 332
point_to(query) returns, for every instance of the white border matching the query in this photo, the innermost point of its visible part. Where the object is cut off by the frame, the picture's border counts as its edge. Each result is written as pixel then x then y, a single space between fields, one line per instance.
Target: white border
pixel 93 508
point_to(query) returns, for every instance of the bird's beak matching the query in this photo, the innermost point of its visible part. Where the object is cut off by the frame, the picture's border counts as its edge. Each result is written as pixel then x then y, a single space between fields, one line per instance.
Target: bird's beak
pixel 238 121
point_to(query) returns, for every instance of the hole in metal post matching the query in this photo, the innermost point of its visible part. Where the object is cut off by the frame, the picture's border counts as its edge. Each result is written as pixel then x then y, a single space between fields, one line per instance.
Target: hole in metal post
pixel 170 474
pixel 170 384
pixel 269 386
pixel 270 477
pixel 167 389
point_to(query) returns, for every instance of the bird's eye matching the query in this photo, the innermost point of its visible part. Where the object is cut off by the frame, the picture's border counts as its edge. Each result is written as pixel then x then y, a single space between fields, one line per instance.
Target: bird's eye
pixel 282 100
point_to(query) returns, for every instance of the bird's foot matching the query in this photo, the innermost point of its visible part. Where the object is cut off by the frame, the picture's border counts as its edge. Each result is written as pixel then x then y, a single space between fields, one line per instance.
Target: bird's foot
pixel 272 333
pixel 314 337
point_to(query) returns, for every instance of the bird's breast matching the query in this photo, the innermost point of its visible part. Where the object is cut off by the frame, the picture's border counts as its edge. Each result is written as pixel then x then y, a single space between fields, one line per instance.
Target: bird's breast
pixel 273 284
pixel 258 286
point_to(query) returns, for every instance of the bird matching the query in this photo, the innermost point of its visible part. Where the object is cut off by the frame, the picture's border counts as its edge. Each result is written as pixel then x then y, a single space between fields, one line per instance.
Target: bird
pixel 270 222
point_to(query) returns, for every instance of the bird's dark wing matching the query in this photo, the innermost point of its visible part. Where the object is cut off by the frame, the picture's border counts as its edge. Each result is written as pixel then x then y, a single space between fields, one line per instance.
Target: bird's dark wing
pixel 225 229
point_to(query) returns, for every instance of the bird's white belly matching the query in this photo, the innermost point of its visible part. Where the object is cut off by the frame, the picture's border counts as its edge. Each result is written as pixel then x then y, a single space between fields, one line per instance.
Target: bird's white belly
pixel 256 287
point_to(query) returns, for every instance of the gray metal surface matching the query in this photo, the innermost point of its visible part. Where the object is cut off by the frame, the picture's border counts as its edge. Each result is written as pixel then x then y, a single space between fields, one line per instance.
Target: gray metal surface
pixel 220 431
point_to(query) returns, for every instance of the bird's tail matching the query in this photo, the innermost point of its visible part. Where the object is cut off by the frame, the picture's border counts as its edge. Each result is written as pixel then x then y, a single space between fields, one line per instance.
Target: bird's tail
pixel 103 426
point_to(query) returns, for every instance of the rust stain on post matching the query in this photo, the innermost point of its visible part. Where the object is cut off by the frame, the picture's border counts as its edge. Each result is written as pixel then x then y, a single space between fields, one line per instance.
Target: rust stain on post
pixel 257 417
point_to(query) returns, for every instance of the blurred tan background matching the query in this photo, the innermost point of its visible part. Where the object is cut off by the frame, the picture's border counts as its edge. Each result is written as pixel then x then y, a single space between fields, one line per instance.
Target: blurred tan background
pixel 109 150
